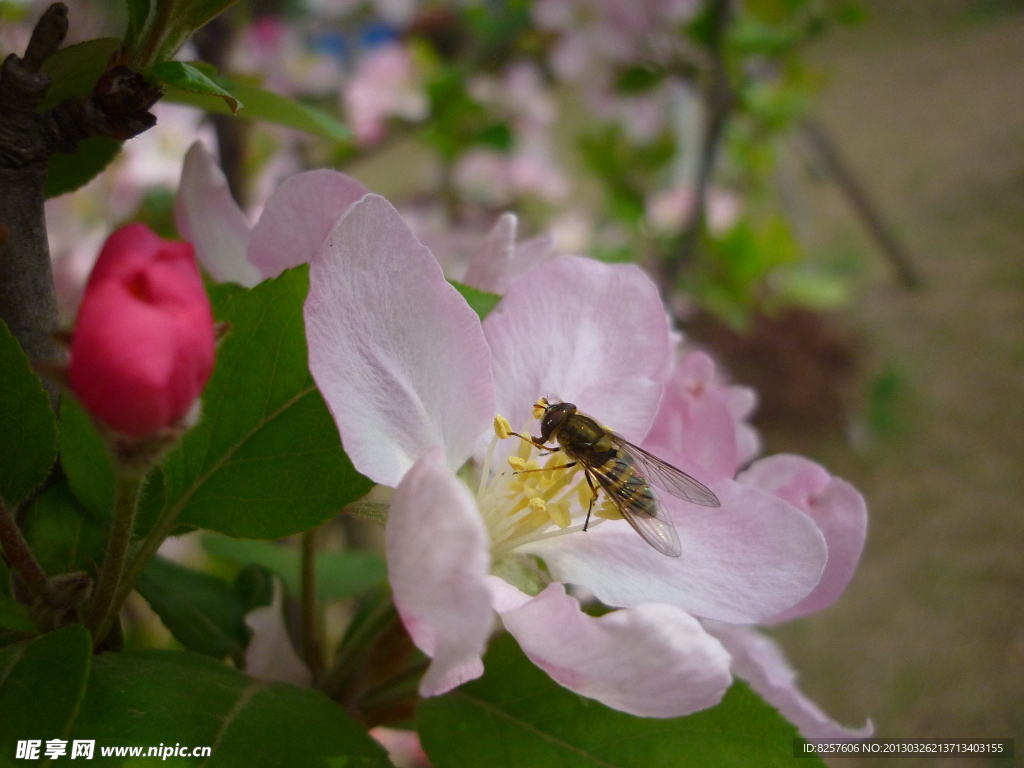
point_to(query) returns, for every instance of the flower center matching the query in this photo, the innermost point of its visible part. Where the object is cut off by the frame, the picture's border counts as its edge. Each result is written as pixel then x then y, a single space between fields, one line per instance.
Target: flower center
pixel 534 495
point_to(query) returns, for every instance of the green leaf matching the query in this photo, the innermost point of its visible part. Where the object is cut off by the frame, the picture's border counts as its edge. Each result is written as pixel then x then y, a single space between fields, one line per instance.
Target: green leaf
pixel 158 28
pixel 265 461
pixel 66 173
pixel 515 715
pixel 280 110
pixel 28 430
pixel 262 104
pixel 481 302
pixel 338 574
pixel 85 459
pixel 148 698
pixel 190 79
pixel 14 615
pixel 63 535
pixel 203 612
pixel 42 683
pixel 139 12
pixel 74 70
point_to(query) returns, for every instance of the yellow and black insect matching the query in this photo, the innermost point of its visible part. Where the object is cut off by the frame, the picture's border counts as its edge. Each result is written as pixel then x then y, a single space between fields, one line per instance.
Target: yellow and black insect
pixel 623 471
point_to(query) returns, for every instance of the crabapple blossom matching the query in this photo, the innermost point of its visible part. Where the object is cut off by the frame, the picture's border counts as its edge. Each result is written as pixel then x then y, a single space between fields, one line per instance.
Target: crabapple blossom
pixel 302 210
pixel 293 223
pixel 143 345
pixel 414 381
pixel 386 84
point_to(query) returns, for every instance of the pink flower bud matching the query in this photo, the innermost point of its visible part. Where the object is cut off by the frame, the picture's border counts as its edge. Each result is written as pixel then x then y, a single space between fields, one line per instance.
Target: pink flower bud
pixel 143 345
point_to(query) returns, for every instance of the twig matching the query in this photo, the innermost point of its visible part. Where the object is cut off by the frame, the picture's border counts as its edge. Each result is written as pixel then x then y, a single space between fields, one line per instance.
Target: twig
pixel 311 644
pixel 28 302
pixel 117 107
pixel 19 556
pixel 105 605
pixel 719 101
pixel 898 257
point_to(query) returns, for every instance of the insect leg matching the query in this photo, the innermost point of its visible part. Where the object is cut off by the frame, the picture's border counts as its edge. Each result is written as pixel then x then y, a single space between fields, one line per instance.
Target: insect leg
pixel 593 498
pixel 531 440
pixel 545 469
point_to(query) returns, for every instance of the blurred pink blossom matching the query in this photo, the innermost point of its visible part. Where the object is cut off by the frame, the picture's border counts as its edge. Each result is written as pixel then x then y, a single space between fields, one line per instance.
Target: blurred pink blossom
pixel 669 210
pixel 386 84
pixel 277 53
pixel 403 747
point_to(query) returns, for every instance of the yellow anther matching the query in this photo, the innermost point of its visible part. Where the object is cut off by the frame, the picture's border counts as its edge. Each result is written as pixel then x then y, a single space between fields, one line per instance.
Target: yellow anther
pixel 517 463
pixel 537 504
pixel 559 514
pixel 584 494
pixel 501 427
pixel 608 511
pixel 557 459
pixel 539 407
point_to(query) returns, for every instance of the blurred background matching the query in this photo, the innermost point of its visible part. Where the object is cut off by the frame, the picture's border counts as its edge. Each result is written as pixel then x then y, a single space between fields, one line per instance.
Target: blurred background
pixel 855 255
pixel 925 101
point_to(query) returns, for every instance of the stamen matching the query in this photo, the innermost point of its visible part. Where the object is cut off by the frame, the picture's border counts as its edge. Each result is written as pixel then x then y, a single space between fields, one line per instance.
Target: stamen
pixel 502 428
pixel 536 497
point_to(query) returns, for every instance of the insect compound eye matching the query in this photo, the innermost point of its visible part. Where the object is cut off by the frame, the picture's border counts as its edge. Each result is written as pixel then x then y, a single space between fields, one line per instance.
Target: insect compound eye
pixel 554 416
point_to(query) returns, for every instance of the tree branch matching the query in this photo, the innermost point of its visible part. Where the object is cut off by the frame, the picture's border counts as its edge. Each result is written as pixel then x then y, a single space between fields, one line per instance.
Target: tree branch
pixel 841 173
pixel 117 107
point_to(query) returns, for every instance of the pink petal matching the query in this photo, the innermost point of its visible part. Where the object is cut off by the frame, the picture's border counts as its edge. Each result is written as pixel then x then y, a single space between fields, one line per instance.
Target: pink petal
pixel 438 557
pixel 499 261
pixel 270 655
pixel 209 218
pixel 404 748
pixel 699 425
pixel 397 353
pixel 742 403
pixel 489 265
pixel 652 660
pixel 297 218
pixel 757 659
pixel 749 559
pixel 580 331
pixel 837 508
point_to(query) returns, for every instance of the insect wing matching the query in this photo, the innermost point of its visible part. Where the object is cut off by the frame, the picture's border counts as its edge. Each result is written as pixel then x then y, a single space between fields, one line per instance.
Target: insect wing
pixel 650 521
pixel 667 477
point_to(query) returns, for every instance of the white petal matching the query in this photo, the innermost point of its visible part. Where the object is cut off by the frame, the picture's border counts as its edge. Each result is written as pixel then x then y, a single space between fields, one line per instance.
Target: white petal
pixel 397 353
pixel 742 562
pixel 209 218
pixel 438 557
pixel 490 263
pixel 652 660
pixel 580 331
pixel 759 660
pixel 298 216
pixel 270 655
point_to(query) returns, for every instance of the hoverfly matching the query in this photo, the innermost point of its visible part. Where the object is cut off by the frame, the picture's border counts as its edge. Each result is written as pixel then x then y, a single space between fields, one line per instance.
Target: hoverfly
pixel 623 471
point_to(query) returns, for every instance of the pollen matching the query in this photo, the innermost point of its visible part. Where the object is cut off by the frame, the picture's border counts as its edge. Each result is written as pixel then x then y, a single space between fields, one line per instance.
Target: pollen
pixel 502 428
pixel 539 407
pixel 539 493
